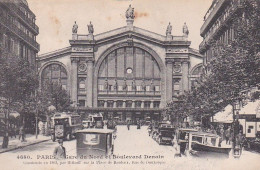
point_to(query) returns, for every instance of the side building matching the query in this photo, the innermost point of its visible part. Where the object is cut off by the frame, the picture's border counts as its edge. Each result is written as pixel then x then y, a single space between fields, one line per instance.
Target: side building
pixel 219 26
pixel 18 30
pixel 129 73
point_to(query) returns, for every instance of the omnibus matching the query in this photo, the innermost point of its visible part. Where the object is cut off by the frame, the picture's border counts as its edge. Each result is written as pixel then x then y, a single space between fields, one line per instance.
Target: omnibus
pixel 64 125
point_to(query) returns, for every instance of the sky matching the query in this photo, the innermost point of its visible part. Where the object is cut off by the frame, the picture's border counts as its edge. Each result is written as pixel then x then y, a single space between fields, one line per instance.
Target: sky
pixel 55 18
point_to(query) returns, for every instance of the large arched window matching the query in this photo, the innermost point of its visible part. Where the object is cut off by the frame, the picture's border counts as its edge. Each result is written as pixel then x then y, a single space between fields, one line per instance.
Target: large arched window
pixel 195 74
pixel 129 69
pixel 54 73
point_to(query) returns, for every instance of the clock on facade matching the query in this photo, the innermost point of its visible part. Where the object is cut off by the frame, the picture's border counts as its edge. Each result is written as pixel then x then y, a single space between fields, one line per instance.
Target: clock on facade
pixel 129 70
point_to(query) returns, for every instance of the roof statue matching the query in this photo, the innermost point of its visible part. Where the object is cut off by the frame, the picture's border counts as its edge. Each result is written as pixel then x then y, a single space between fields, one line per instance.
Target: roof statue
pixel 90 28
pixel 129 14
pixel 75 28
pixel 169 29
pixel 185 30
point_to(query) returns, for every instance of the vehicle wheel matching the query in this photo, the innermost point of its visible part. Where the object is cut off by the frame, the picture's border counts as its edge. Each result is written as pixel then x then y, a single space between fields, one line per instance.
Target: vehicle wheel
pixel 53 138
pixel 69 136
pixel 160 141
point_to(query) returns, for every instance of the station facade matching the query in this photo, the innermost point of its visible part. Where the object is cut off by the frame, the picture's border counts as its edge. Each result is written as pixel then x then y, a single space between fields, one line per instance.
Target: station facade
pixel 128 72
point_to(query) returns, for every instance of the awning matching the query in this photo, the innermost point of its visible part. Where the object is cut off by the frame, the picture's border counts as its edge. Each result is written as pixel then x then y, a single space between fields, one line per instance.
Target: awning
pixel 12 114
pixel 225 116
pixel 251 108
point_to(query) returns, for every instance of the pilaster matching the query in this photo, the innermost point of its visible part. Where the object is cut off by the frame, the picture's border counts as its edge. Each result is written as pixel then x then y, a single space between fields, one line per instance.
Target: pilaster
pixel 74 80
pixel 90 83
pixel 169 81
pixel 185 73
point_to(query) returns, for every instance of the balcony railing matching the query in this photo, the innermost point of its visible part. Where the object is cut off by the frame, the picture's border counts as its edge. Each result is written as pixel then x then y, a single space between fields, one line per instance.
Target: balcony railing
pixel 130 92
pixel 212 14
pixel 221 21
pixel 12 27
pixel 20 14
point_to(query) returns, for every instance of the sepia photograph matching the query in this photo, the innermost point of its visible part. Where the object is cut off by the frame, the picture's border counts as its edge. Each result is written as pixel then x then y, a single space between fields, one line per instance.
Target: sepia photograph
pixel 130 84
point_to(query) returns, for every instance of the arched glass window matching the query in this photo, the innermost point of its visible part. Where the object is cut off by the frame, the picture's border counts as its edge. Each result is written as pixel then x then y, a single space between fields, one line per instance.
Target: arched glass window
pixel 197 71
pixel 54 73
pixel 132 68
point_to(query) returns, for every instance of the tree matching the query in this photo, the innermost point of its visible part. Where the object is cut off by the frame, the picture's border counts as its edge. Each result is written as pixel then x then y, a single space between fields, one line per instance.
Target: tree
pixel 54 94
pixel 234 68
pixel 18 81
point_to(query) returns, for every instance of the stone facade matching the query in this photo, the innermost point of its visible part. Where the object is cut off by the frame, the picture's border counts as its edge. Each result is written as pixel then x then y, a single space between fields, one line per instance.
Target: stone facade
pixel 18 31
pixel 126 71
pixel 219 26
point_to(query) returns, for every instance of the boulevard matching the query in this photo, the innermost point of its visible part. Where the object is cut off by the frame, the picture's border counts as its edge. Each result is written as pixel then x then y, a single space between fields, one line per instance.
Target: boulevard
pixel 129 146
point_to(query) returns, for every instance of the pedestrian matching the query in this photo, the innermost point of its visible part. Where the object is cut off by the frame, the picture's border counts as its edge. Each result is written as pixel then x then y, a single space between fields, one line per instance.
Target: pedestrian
pixel 21 134
pixel 60 151
pixel 128 125
pixel 239 139
pixel 221 134
pixel 228 135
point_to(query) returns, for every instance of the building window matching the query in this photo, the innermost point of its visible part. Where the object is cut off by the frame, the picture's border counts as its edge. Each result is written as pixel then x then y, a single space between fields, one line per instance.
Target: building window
pixel 147 104
pixel 176 86
pixel 157 88
pixel 110 87
pixel 101 103
pixel 81 103
pixel 110 103
pixel 138 88
pixel 120 88
pixel 12 45
pixel 5 41
pixel 156 104
pixel 138 104
pixel 54 73
pixel 129 88
pixel 147 88
pixel 128 103
pixel 101 87
pixel 119 104
pixel 82 85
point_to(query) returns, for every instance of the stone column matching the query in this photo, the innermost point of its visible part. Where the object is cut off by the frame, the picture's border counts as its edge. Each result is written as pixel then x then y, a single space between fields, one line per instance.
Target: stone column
pixel 90 83
pixel 74 81
pixel 105 104
pixel 124 104
pixel 133 104
pixel 168 81
pixel 151 104
pixel 185 73
pixel 142 104
pixel 114 104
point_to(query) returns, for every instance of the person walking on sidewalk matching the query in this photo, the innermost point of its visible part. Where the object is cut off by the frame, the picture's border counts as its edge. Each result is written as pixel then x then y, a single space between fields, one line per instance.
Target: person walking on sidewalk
pixel 128 125
pixel 60 151
pixel 21 134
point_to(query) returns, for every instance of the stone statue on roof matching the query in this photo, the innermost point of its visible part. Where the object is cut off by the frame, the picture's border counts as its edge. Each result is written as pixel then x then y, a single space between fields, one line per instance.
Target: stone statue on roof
pixel 169 29
pixel 90 28
pixel 75 28
pixel 185 30
pixel 129 14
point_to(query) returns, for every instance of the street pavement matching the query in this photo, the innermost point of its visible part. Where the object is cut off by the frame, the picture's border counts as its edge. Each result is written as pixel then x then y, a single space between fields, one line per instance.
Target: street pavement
pixel 142 150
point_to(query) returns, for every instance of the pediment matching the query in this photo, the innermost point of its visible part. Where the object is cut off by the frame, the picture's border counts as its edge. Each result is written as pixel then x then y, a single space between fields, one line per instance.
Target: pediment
pixel 130 32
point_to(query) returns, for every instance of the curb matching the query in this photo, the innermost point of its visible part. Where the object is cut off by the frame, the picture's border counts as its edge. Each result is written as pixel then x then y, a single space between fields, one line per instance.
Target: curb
pixel 20 147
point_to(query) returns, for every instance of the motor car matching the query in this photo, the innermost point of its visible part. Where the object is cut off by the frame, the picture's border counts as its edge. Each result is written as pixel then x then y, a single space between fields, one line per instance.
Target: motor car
pixel 94 142
pixel 166 134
